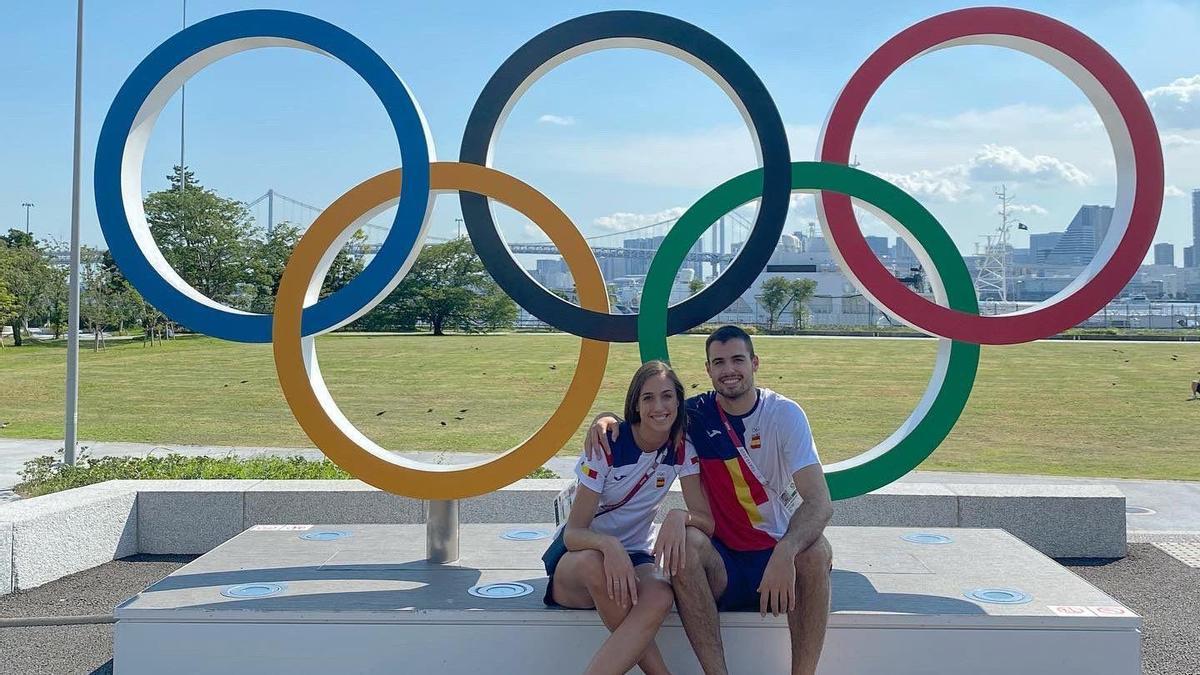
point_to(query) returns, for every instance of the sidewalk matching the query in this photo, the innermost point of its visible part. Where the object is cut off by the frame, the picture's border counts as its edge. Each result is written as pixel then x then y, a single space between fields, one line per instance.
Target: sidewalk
pixel 1175 504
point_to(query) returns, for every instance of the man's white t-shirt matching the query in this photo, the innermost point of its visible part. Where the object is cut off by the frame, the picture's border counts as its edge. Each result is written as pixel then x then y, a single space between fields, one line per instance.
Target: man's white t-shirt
pixel 749 511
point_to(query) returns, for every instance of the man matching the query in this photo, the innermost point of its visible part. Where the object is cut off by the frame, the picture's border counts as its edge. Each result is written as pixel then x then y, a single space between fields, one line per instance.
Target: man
pixel 749 445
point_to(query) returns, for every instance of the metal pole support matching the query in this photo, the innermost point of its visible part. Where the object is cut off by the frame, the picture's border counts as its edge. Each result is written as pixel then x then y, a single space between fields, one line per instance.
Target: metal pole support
pixel 441 530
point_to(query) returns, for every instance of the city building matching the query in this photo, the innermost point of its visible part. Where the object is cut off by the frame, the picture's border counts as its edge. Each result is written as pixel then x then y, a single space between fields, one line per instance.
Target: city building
pixel 879 245
pixel 1195 227
pixel 1082 239
pixel 1042 243
pixel 1164 254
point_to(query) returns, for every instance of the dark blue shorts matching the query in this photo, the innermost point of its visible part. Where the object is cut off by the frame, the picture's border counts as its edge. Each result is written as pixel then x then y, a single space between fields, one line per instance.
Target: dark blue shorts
pixel 636 557
pixel 744 570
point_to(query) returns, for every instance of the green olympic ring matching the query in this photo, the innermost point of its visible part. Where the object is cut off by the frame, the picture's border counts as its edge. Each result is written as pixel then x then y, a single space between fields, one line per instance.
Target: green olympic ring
pixel 954 371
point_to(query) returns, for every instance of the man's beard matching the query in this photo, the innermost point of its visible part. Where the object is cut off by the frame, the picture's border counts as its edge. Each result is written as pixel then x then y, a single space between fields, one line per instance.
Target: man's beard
pixel 736 390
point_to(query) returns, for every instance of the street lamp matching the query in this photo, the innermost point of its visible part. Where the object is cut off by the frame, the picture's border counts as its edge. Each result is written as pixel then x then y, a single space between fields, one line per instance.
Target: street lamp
pixel 27 205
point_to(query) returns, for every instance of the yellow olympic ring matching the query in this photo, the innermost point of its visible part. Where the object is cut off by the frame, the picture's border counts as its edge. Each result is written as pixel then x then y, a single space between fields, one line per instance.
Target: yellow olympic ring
pixel 310 400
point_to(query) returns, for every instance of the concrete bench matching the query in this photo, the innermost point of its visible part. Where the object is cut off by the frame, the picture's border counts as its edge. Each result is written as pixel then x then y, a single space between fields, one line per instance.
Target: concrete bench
pixel 48 537
pixel 366 601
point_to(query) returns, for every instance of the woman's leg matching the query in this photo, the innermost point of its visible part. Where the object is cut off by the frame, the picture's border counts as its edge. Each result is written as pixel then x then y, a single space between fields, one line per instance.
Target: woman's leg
pixel 632 639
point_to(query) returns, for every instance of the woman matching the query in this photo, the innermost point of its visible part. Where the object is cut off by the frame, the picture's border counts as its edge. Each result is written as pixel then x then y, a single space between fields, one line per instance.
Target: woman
pixel 602 558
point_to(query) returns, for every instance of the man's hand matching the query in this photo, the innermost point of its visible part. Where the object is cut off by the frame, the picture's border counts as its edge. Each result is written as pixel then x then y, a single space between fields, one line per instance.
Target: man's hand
pixel 619 575
pixel 777 592
pixel 670 548
pixel 595 442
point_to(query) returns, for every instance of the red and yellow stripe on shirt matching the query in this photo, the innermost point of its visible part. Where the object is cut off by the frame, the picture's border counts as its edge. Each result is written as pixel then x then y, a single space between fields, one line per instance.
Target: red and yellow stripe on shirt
pixel 589 471
pixel 738 501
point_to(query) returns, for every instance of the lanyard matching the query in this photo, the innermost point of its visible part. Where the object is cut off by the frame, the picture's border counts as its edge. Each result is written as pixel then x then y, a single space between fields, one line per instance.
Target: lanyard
pixel 737 443
pixel 638 486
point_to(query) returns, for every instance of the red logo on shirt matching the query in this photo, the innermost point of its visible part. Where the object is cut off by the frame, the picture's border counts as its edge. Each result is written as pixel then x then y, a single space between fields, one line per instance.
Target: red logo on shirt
pixel 660 482
pixel 755 442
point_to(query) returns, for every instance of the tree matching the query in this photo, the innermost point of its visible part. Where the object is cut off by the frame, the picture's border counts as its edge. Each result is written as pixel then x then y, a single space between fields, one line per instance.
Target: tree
pixel 272 255
pixel 99 308
pixel 779 293
pixel 800 291
pixel 205 237
pixel 775 296
pixel 695 286
pixel 8 303
pixel 31 280
pixel 447 287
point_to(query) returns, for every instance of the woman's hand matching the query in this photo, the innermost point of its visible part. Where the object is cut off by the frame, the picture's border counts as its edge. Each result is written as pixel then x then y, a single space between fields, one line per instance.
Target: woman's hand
pixel 619 576
pixel 670 547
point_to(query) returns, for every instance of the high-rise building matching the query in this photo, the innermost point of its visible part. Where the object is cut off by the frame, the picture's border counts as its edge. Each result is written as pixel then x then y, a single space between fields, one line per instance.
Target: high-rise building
pixel 1195 225
pixel 1042 243
pixel 1164 254
pixel 1189 256
pixel 878 244
pixel 904 253
pixel 1082 239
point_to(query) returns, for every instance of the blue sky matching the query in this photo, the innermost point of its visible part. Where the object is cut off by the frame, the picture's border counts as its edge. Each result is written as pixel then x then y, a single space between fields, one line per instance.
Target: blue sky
pixel 615 138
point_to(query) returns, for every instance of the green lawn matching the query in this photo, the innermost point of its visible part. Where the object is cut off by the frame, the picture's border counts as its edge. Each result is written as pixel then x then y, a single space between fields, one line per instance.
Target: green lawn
pixel 1079 408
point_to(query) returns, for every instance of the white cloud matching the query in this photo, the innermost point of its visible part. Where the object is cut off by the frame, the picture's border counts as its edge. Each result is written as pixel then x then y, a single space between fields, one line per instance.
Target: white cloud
pixel 617 222
pixel 1173 191
pixel 1033 209
pixel 1177 105
pixel 1178 141
pixel 1003 162
pixel 557 120
pixel 945 185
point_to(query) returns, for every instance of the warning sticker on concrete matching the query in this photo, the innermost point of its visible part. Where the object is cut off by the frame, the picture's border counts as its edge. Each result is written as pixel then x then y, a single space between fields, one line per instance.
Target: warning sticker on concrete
pixel 1111 610
pixel 1071 610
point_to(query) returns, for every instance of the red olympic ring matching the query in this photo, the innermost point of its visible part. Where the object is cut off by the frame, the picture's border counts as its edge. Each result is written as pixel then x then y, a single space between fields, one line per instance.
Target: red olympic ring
pixel 1130 127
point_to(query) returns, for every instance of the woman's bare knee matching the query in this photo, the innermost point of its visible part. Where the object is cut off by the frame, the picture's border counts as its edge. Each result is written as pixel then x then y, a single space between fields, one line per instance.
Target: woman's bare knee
pixel 656 594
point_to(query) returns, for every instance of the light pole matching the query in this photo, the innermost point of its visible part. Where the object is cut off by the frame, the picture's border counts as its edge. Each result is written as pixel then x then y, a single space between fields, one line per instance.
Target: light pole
pixel 27 205
pixel 72 409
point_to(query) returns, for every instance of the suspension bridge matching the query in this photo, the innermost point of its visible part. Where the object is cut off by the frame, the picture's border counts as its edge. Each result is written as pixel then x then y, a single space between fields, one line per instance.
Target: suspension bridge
pixel 639 243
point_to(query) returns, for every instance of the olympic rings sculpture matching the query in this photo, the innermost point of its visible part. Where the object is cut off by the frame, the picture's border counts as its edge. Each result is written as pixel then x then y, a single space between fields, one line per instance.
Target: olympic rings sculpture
pixel 953 315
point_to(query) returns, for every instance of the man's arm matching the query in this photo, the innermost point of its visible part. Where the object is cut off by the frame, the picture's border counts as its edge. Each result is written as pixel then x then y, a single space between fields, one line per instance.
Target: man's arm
pixel 777 592
pixel 809 521
pixel 595 442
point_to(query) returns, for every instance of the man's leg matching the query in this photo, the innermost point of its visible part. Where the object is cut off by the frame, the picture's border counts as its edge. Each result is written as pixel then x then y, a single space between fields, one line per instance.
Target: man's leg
pixel 807 622
pixel 579 583
pixel 697 586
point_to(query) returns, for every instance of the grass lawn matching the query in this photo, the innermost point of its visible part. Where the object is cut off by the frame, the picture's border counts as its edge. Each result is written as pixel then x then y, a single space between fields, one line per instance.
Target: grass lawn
pixel 1068 408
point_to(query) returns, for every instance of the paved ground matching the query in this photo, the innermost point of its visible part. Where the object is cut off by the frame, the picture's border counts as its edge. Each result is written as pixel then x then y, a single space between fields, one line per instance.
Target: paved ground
pixel 75 649
pixel 1160 588
pixel 1176 504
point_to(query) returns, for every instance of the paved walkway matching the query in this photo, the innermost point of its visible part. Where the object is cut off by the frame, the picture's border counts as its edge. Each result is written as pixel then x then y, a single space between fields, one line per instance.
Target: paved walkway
pixel 1175 504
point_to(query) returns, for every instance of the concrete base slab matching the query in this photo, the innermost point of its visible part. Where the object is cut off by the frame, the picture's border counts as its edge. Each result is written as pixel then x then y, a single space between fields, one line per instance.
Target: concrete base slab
pixel 368 601
pixel 6 558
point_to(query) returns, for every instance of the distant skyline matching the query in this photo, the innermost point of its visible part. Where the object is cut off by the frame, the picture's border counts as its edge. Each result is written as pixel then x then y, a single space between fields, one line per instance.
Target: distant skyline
pixel 616 138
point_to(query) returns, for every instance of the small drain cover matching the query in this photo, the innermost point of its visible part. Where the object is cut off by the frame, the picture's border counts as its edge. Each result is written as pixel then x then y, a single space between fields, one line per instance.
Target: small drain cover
pixel 256 590
pixel 525 535
pixel 1139 511
pixel 324 535
pixel 501 591
pixel 999 596
pixel 926 538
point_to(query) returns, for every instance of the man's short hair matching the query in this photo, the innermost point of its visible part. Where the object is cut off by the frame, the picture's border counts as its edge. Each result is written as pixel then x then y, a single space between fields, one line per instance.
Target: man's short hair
pixel 725 334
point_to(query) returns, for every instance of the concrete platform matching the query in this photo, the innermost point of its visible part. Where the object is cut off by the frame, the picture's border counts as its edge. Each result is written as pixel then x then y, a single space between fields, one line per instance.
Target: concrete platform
pixel 368 603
